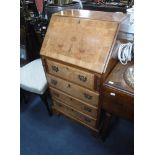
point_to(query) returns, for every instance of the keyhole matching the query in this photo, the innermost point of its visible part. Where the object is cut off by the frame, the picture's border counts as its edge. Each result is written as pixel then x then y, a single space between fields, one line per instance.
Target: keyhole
pixel 69 86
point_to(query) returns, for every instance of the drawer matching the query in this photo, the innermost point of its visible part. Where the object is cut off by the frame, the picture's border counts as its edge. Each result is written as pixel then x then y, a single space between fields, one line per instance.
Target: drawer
pixel 75 103
pixel 118 103
pixel 71 74
pixel 74 90
pixel 58 105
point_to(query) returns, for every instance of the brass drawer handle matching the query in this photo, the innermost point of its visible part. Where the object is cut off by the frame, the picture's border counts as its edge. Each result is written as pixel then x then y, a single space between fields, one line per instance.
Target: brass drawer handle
pixel 54 82
pixel 87 119
pixel 82 78
pixel 55 68
pixel 87 109
pixel 87 96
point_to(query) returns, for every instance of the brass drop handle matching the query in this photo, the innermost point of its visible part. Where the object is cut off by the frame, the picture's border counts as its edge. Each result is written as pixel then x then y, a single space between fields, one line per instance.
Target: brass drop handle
pixel 44 64
pixel 87 96
pixel 82 78
pixel 54 82
pixel 55 68
pixel 87 109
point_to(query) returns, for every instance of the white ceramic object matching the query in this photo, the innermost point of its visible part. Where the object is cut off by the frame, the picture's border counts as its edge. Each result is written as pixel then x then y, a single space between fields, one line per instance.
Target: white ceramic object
pixel 127 25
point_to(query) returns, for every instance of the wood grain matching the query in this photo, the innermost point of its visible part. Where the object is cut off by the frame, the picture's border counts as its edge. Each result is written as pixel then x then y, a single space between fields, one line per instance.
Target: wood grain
pixel 95 15
pixel 79 53
pixel 73 90
pixel 81 42
pixel 74 119
pixel 118 97
pixel 71 74
pixel 72 112
pixel 118 103
pixel 74 102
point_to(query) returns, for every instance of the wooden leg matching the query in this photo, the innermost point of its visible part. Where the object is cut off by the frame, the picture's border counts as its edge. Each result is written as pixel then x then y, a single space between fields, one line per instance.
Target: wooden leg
pixel 95 134
pixel 23 96
pixel 106 125
pixel 44 99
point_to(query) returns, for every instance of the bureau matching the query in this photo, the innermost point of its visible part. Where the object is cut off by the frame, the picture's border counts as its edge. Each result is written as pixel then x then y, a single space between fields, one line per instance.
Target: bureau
pixel 78 52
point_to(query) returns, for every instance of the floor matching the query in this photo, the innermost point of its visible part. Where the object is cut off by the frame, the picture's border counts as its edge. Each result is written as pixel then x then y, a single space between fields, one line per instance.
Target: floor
pixel 58 135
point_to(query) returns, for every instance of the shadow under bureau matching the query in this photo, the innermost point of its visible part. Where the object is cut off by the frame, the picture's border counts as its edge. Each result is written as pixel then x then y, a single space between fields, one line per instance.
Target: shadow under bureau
pixel 78 52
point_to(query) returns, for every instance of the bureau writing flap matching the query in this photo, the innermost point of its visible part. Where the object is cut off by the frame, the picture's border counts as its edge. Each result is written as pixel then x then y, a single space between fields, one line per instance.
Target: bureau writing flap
pixel 84 42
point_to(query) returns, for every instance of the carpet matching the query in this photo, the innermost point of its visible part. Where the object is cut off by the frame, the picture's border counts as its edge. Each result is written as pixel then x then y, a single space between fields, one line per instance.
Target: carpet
pixel 58 135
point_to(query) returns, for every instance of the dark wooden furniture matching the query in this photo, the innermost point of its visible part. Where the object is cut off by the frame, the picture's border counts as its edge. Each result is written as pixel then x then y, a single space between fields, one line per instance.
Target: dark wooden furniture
pixel 78 53
pixel 108 5
pixel 118 97
pixel 24 98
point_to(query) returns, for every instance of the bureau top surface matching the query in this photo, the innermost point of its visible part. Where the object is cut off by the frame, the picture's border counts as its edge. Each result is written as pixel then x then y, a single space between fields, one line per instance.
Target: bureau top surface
pixel 116 78
pixel 96 15
pixel 82 38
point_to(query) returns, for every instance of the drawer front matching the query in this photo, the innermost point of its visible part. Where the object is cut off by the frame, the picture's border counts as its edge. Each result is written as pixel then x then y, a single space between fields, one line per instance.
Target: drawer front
pixel 74 90
pixel 71 74
pixel 73 102
pixel 118 103
pixel 76 114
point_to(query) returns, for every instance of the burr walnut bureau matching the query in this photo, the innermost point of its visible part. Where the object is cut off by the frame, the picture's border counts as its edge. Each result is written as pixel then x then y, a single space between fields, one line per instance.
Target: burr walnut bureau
pixel 78 52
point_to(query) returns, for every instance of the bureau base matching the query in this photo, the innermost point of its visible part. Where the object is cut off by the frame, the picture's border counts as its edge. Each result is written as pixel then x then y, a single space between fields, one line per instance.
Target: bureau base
pixel 59 112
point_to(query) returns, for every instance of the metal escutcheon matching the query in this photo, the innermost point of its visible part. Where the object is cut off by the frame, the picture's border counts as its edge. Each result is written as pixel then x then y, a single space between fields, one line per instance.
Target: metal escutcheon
pixel 55 68
pixel 87 96
pixel 82 78
pixel 87 109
